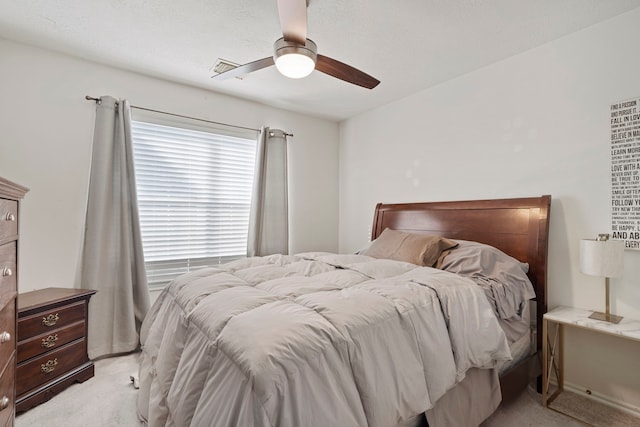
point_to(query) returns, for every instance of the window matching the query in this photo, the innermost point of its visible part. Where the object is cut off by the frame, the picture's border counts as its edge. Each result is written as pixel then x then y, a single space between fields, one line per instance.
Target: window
pixel 194 183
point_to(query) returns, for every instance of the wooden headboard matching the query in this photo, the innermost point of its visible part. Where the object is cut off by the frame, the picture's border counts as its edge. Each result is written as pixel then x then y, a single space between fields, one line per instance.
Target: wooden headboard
pixel 519 227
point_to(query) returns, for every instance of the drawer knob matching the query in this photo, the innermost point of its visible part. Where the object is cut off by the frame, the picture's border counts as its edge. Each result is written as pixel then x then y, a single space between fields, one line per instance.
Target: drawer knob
pixel 6 272
pixel 5 337
pixel 49 341
pixel 4 403
pixel 50 320
pixel 48 367
pixel 9 217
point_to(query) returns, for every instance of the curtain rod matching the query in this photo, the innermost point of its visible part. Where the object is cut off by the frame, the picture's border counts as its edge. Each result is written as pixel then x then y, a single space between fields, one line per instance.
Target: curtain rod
pixel 98 100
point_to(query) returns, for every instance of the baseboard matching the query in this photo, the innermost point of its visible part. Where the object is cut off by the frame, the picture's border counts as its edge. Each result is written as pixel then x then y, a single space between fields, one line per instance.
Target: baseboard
pixel 602 398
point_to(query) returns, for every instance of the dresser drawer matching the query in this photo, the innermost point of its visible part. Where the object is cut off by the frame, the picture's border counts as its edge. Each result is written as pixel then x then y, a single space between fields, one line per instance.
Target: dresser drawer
pixel 7 332
pixel 48 320
pixel 49 366
pixel 8 220
pixel 7 397
pixel 53 339
pixel 10 194
pixel 8 288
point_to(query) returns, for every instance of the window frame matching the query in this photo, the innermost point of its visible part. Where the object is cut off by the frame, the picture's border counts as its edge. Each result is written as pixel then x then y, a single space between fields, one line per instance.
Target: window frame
pixel 175 267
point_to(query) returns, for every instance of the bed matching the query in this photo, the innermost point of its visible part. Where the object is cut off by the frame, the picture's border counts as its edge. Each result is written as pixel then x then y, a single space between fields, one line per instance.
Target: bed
pixel 321 339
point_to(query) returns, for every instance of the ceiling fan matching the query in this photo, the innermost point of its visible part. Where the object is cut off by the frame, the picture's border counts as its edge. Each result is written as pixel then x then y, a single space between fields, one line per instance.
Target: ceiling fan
pixel 296 56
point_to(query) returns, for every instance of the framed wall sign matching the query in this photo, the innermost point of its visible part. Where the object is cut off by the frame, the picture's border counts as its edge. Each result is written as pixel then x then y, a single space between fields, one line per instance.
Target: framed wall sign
pixel 625 172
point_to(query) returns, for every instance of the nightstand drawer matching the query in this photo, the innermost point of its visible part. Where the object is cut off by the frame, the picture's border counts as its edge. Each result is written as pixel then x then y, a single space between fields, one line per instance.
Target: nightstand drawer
pixel 7 398
pixel 49 366
pixel 53 339
pixel 8 288
pixel 47 321
pixel 7 333
pixel 8 220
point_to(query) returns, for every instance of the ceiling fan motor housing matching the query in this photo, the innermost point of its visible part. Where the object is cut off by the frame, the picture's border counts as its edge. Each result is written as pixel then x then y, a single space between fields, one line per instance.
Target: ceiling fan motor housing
pixel 283 47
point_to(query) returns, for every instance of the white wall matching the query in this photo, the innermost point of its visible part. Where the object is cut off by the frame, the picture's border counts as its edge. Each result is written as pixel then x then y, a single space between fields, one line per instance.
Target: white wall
pixel 536 123
pixel 47 130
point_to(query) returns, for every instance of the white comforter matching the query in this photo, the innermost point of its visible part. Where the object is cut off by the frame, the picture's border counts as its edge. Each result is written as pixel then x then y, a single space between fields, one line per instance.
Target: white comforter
pixel 315 339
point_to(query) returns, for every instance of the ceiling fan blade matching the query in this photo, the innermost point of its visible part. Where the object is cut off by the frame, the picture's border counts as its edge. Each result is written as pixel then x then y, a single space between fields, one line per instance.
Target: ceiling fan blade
pixel 293 20
pixel 245 69
pixel 345 72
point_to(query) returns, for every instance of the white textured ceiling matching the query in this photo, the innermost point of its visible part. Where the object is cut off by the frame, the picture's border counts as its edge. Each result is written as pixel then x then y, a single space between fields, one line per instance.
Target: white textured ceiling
pixel 409 45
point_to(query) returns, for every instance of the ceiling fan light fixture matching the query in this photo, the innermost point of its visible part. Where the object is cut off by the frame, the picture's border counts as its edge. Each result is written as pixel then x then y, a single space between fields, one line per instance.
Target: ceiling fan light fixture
pixel 295 60
pixel 295 65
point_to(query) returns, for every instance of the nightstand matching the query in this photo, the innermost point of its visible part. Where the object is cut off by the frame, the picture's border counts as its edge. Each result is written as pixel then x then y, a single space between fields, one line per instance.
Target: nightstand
pixel 52 343
pixel 553 325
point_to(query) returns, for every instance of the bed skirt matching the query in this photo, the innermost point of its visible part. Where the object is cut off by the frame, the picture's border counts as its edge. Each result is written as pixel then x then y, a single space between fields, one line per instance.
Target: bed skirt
pixel 468 404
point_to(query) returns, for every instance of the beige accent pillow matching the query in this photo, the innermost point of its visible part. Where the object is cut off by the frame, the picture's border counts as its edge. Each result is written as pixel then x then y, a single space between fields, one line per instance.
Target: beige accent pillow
pixel 420 249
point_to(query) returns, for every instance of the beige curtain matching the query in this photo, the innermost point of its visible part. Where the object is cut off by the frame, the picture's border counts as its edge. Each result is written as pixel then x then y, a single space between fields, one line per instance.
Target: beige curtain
pixel 268 221
pixel 112 261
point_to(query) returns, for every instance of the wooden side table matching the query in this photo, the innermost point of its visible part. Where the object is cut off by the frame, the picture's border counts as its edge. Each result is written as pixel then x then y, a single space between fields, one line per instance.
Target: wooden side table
pixel 52 343
pixel 553 352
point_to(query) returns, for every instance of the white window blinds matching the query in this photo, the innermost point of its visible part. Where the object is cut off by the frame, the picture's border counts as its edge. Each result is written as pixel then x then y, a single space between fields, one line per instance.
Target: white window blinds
pixel 194 187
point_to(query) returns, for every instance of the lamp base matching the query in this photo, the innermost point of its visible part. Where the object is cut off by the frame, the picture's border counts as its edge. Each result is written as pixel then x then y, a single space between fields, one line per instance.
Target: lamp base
pixel 611 318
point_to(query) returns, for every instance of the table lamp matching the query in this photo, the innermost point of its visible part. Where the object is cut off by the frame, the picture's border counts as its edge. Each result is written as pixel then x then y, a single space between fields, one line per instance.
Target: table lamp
pixel 605 258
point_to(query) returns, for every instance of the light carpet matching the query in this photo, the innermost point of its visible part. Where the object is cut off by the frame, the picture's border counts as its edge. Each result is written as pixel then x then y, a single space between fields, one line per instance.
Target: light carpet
pixel 527 410
pixel 106 400
pixel 109 400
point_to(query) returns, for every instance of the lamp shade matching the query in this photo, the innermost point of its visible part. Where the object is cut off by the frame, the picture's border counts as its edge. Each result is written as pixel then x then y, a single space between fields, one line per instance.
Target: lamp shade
pixel 604 258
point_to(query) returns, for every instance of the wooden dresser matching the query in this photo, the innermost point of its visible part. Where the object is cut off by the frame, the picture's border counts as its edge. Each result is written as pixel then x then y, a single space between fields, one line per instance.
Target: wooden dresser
pixel 52 343
pixel 10 194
